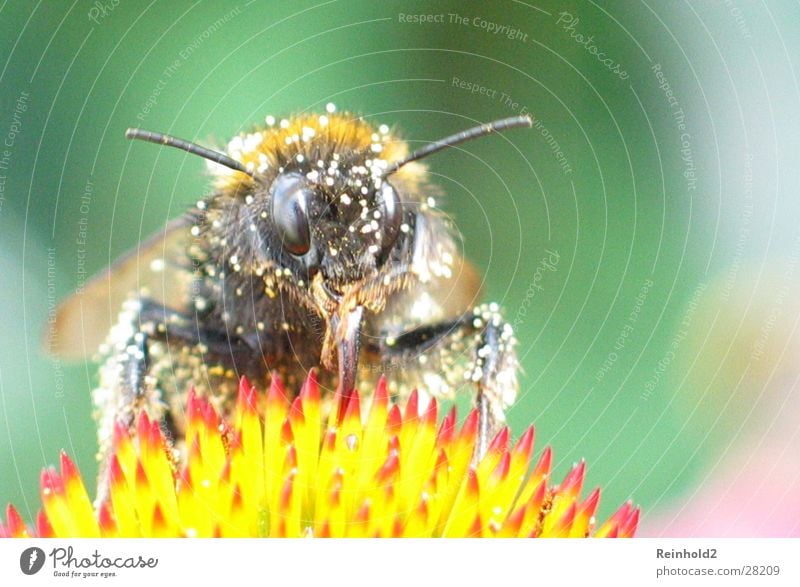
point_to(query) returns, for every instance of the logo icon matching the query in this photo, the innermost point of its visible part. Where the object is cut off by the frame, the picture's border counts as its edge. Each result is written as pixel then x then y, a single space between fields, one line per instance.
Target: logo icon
pixel 31 560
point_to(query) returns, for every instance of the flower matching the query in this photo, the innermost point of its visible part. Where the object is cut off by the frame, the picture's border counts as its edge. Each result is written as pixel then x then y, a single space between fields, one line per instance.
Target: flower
pixel 274 470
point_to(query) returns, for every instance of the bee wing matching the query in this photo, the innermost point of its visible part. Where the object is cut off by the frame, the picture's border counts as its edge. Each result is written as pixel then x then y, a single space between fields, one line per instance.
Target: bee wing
pixel 158 267
pixel 437 299
pixel 450 282
pixel 461 292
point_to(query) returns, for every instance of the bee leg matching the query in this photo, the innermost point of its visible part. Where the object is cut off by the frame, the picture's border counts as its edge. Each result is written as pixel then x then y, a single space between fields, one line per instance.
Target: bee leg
pixel 170 325
pixel 494 370
pixel 124 390
pixel 477 347
pixel 128 385
pixel 127 388
pixel 134 363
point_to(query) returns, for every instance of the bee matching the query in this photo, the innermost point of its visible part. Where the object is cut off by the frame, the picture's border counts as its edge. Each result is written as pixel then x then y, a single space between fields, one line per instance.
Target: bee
pixel 320 247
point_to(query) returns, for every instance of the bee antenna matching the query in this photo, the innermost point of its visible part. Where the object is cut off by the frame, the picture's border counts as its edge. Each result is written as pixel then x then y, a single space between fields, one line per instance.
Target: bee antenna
pixel 462 137
pixel 193 148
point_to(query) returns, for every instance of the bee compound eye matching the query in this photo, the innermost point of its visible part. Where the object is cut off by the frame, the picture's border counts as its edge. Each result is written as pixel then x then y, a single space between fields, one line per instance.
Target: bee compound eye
pixel 290 202
pixel 391 215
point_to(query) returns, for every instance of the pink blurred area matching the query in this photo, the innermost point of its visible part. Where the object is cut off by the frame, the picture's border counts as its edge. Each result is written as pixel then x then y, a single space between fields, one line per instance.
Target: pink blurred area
pixel 751 488
pixel 756 494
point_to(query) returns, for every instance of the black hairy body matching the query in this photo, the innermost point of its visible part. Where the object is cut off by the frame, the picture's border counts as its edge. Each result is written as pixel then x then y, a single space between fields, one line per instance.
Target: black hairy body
pixel 321 247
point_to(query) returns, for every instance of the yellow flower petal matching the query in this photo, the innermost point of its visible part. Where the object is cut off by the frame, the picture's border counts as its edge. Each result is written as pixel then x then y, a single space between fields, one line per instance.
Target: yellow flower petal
pixel 274 469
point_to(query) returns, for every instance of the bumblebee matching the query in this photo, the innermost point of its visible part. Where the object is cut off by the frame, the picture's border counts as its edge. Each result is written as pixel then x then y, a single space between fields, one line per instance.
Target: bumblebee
pixel 320 247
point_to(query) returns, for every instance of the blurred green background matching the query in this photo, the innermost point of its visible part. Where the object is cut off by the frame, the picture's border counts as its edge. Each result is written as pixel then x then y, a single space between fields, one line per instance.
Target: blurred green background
pixel 629 235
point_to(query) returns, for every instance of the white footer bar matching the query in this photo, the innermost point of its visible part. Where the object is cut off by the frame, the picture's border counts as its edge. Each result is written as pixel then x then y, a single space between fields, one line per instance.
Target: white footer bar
pixel 405 562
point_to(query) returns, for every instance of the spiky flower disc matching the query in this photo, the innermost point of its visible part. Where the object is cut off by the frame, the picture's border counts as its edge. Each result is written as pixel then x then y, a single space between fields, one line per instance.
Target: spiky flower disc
pixel 395 472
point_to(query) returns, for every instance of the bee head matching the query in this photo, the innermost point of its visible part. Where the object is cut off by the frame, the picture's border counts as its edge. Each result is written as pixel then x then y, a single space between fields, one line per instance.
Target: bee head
pixel 327 195
pixel 341 220
pixel 316 197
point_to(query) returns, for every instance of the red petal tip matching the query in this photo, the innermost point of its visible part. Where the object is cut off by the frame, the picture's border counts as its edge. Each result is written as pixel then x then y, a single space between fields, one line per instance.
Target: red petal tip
pixel 574 478
pixel 43 527
pixel 565 523
pixel 501 470
pixel 381 391
pixel 51 482
pixel 590 504
pixel 14 521
pixel 394 421
pixel 353 408
pixel 296 410
pixel 277 393
pixel 542 468
pixel 286 432
pixel 476 529
pixel 143 425
pixel 106 518
pixel 120 433
pixel 310 390
pixel 115 473
pixel 630 525
pixel 472 482
pixel 141 476
pixel 431 413
pixel 389 468
pixel 68 469
pixel 526 441
pixel 470 427
pixel 412 406
pixel 500 441
pixel 448 426
pixel 247 394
